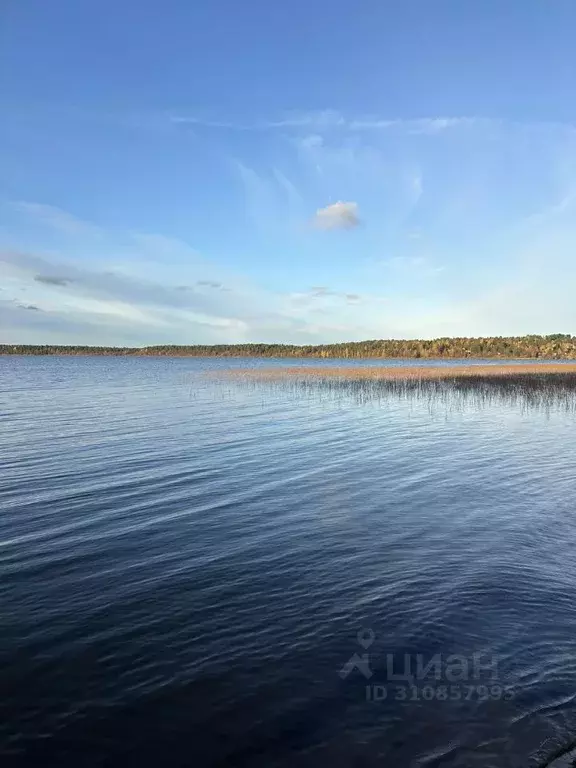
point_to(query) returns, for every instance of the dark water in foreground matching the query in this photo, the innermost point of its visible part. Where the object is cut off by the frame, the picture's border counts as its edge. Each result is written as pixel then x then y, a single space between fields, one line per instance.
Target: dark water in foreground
pixel 186 566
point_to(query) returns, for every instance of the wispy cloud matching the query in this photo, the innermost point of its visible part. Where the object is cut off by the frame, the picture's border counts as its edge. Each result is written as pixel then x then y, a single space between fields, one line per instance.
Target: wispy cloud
pixel 115 307
pixel 260 193
pixel 294 198
pixel 322 119
pixel 86 286
pixel 318 293
pixel 338 215
pixel 94 291
pixel 56 218
pixel 550 213
pixel 330 119
pixel 417 186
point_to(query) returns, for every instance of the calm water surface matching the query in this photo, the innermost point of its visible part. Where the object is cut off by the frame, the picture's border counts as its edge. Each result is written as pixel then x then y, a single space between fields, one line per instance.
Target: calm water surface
pixel 188 567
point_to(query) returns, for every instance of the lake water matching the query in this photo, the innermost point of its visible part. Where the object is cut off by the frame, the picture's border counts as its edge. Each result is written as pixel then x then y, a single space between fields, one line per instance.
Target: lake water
pixel 204 572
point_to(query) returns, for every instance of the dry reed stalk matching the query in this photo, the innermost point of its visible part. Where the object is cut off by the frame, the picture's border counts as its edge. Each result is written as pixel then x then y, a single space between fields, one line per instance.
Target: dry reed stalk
pixel 406 372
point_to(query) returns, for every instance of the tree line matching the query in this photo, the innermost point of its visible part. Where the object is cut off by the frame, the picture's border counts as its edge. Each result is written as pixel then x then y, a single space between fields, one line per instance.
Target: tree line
pixel 556 346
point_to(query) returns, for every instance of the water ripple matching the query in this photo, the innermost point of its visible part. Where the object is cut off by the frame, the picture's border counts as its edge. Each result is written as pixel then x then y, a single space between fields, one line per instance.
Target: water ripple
pixel 186 563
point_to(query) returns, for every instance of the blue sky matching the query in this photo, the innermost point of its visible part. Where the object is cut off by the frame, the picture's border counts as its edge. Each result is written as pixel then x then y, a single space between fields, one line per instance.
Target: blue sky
pixel 304 172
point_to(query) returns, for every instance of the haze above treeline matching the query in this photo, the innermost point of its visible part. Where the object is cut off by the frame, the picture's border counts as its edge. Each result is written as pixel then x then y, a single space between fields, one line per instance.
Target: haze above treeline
pixel 556 346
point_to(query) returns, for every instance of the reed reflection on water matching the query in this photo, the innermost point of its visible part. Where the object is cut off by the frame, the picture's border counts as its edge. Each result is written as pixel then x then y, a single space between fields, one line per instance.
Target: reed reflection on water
pixel 527 391
pixel 441 392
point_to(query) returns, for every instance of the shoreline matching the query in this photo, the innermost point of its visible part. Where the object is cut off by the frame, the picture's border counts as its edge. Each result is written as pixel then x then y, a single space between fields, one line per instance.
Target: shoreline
pixel 556 346
pixel 564 361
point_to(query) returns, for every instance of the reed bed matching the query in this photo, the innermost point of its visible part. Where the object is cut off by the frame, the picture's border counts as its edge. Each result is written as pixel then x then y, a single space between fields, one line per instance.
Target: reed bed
pixel 531 386
pixel 408 372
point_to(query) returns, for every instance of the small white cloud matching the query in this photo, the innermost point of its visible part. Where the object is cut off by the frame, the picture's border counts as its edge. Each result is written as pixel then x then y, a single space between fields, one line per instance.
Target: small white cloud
pixel 339 215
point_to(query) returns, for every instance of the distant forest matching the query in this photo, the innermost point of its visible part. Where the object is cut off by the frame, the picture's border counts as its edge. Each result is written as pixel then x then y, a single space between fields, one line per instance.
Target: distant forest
pixel 556 346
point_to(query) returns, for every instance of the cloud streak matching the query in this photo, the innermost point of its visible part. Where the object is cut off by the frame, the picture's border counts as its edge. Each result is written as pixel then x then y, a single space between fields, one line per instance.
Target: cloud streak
pixel 57 219
pixel 330 119
pixel 334 120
